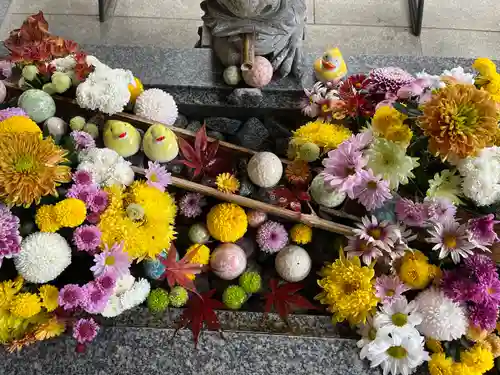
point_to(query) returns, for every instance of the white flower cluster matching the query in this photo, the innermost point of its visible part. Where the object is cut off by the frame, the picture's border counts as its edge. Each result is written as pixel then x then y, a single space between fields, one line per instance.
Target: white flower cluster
pixel 43 257
pixel 106 166
pixel 64 64
pixel 105 89
pixel 128 294
pixel 481 176
pixel 156 105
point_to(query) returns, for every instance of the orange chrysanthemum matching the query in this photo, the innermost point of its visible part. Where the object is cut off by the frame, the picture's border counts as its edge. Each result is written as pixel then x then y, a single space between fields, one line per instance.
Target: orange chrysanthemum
pixel 30 168
pixel 459 121
pixel 298 172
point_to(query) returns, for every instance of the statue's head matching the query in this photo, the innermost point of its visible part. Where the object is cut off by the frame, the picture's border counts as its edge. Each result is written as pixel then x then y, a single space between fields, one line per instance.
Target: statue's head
pixel 251 8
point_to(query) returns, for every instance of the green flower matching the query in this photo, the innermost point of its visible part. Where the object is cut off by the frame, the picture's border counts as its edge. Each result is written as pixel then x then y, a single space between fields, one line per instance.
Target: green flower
pixel 158 301
pixel 446 185
pixel 234 297
pixel 251 282
pixel 178 296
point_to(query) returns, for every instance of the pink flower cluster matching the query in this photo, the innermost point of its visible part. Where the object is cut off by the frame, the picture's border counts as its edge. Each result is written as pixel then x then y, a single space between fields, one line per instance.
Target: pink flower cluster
pixel 345 171
pixel 415 214
pixel 84 189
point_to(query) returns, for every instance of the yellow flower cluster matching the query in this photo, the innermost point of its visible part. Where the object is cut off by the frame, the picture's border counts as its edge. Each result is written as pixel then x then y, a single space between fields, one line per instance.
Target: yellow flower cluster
pixel 301 234
pixel 388 123
pixel 348 290
pixel 19 124
pixel 69 213
pixel 325 135
pixel 202 255
pixel 22 320
pixel 488 79
pixel 227 222
pixel 474 361
pixel 152 232
pixel 227 183
pixel 416 271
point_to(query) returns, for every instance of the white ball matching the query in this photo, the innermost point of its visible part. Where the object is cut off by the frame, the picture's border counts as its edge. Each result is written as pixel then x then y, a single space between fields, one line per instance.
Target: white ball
pixel 293 263
pixel 324 196
pixel 43 257
pixel 55 126
pixel 265 169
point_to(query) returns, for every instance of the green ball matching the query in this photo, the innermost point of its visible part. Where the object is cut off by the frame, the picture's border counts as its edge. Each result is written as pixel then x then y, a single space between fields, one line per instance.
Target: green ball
pixel 92 129
pixel 37 104
pixel 251 282
pixel 234 297
pixel 77 123
pixel 198 233
pixel 158 301
pixel 178 296
pixel 309 152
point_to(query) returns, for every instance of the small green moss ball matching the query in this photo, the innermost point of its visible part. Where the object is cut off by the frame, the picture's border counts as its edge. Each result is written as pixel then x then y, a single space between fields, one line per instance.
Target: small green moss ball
pixel 309 152
pixel 158 301
pixel 178 296
pixel 77 123
pixel 251 282
pixel 92 129
pixel 234 297
pixel 198 233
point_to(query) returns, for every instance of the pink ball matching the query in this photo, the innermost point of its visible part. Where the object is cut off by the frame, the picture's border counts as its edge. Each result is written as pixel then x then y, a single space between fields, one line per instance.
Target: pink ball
pixel 260 74
pixel 228 261
pixel 256 218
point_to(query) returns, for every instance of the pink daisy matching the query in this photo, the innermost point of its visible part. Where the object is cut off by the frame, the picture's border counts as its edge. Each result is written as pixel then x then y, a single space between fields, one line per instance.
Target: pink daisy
pixel 87 238
pixel 372 191
pixel 107 281
pixel 82 177
pixel 411 213
pixel 382 234
pixel 157 176
pixel 360 141
pixel 71 296
pixel 482 231
pixel 389 288
pixel 85 330
pixel 358 247
pixel 450 238
pixel 114 259
pixel 96 298
pixel 439 209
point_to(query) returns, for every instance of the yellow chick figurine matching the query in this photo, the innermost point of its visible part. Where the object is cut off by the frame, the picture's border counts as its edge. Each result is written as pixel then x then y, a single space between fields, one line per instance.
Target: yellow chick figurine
pixel 160 143
pixel 331 67
pixel 121 137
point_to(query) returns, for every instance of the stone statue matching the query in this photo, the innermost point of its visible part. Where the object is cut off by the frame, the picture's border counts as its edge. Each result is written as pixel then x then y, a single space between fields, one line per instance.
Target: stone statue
pixel 277 26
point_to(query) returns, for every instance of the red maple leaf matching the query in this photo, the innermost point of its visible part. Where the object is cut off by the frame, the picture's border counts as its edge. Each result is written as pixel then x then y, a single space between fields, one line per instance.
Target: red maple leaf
pixel 180 272
pixel 284 197
pixel 284 300
pixel 199 311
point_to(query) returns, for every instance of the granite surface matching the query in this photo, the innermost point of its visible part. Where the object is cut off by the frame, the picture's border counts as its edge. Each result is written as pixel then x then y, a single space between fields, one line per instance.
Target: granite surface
pixel 4 7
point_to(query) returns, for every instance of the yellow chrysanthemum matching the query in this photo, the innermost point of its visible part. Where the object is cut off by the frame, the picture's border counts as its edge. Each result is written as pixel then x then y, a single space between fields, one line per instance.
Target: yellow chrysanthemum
pixel 227 222
pixel 8 289
pixel 227 183
pixel 25 305
pixel 135 90
pixel 46 220
pixel 476 333
pixel 415 270
pixel 301 234
pixel 348 290
pixel 387 117
pixel 485 67
pixel 70 212
pixel 202 255
pixel 19 124
pixel 477 358
pixel 440 365
pixel 11 326
pixel 323 134
pixel 30 168
pixel 52 328
pixel 144 238
pixel 459 121
pixel 462 369
pixel 49 295
pixel 400 134
pixel 434 345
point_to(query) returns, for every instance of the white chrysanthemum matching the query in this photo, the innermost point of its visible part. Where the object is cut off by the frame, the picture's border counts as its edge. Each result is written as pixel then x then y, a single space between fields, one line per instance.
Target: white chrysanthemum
pixel 64 64
pixel 368 333
pixel 128 294
pixel 113 307
pixel 446 184
pixel 105 89
pixel 390 161
pixel 43 257
pixel 398 317
pixel 481 176
pixel 136 295
pixel 435 81
pixel 156 105
pixel 459 76
pixel 106 167
pixel 397 354
pixel 123 284
pixel 442 318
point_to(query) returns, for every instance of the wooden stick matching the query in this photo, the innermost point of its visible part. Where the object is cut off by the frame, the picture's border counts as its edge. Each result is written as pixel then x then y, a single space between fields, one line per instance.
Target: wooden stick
pixel 311 220
pixel 248 52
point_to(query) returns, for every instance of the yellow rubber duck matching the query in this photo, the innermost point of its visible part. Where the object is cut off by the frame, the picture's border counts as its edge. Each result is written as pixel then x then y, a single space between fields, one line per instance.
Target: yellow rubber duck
pixel 160 143
pixel 331 67
pixel 121 137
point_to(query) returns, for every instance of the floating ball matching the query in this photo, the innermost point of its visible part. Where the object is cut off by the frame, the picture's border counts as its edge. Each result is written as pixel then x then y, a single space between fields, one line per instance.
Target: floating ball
pixel 228 261
pixel 265 169
pixel 293 263
pixel 37 104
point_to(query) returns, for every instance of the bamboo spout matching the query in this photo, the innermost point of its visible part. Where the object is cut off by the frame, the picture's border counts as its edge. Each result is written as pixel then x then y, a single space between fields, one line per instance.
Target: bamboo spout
pixel 248 51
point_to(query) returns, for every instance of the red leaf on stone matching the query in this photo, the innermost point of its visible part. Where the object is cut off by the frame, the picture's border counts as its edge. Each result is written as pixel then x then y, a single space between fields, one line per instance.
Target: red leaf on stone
pixel 180 272
pixel 199 311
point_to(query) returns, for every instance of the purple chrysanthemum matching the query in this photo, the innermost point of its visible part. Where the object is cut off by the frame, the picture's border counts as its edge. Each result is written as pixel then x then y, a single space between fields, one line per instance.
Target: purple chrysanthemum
pixel 388 80
pixel 82 140
pixel 10 239
pixel 107 281
pixel 488 290
pixel 367 251
pixel 157 176
pixel 389 288
pixel 9 112
pixel 482 232
pixel 360 141
pixel 440 209
pixel 372 191
pixel 190 205
pixel 93 217
pixel 411 213
pixel 480 266
pixel 87 238
pixel 71 296
pixel 111 259
pixel 98 201
pixel 457 286
pixel 96 299
pixel 85 330
pixel 342 168
pixel 82 177
pixel 272 237
pixel 483 315
pixel 83 192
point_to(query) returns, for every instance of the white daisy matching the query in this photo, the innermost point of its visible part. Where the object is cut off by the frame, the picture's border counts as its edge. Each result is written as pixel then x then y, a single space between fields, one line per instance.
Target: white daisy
pixel 382 234
pixel 450 238
pixel 368 334
pixel 397 354
pixel 458 75
pixel 398 317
